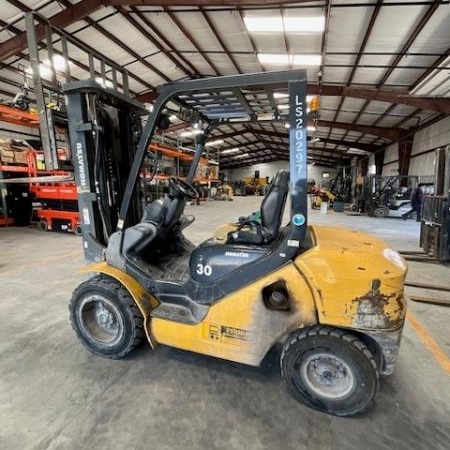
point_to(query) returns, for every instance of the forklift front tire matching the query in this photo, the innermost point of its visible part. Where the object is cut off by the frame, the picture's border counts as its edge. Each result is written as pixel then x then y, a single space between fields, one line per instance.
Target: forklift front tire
pixel 43 225
pixel 330 369
pixel 105 317
pixel 381 212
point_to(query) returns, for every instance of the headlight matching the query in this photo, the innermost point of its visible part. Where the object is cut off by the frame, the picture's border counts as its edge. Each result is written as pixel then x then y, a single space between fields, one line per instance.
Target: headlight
pixel 394 257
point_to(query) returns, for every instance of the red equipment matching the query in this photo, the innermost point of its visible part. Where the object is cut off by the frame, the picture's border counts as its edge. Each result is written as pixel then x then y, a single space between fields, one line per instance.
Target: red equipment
pixel 61 206
pixel 59 200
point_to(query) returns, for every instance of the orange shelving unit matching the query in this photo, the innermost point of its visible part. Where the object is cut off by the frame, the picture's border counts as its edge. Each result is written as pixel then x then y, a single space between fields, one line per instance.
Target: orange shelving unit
pixel 176 153
pixel 180 155
pixel 18 117
pixel 6 221
pixel 55 192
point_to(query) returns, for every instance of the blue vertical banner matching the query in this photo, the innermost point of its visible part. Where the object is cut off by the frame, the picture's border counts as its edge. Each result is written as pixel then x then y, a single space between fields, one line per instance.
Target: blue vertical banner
pixel 298 152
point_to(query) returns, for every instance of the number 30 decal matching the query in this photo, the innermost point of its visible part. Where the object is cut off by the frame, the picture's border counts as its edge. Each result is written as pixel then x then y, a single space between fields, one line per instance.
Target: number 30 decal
pixel 204 270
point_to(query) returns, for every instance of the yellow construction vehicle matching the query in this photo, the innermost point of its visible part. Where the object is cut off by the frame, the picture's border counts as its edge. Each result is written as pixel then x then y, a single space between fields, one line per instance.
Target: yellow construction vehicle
pixel 331 298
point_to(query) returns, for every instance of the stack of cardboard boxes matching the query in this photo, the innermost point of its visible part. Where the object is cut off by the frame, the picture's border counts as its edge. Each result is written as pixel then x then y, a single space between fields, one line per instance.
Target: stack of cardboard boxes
pixel 13 152
pixel 6 153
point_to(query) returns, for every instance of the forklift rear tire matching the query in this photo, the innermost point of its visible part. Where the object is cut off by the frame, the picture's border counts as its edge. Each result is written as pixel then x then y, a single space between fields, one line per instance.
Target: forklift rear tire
pixel 330 369
pixel 105 317
pixel 43 225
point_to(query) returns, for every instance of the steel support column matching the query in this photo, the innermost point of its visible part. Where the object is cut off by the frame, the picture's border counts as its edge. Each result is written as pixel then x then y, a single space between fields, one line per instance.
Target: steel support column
pixel 50 154
pixel 404 154
pixel 379 160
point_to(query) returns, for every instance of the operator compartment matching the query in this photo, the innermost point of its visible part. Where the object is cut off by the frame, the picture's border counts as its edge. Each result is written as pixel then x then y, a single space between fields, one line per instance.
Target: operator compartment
pixel 209 262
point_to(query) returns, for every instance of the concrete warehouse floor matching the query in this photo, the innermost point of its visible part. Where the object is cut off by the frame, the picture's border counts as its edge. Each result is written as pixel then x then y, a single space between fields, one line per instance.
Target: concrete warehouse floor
pixel 54 394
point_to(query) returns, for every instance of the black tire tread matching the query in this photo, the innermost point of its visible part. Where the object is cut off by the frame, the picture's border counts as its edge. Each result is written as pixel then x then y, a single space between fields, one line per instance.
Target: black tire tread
pixel 326 330
pixel 115 287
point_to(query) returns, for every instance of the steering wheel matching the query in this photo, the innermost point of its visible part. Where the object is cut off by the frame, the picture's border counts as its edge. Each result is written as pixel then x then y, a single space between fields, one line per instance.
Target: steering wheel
pixel 183 188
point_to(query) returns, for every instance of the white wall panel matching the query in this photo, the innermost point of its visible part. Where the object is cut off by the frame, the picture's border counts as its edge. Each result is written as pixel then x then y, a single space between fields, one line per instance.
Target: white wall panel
pixel 436 135
pixel 316 172
pixel 391 153
pixel 265 170
pixel 390 169
pixel 270 169
pixel 422 165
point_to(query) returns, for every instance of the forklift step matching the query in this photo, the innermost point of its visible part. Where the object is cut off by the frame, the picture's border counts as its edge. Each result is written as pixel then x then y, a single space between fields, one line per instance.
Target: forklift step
pixel 180 308
pixel 177 313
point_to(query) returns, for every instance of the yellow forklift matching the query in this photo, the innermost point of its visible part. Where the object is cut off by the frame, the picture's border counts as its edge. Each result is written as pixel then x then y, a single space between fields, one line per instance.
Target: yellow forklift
pixel 331 298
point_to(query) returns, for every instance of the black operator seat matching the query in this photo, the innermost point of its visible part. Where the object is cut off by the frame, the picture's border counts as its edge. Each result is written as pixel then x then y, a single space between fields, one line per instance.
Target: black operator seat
pixel 158 220
pixel 139 236
pixel 272 209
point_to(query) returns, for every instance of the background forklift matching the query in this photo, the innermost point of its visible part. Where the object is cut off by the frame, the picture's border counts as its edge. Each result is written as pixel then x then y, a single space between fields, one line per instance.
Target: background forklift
pixel 331 298
pixel 386 196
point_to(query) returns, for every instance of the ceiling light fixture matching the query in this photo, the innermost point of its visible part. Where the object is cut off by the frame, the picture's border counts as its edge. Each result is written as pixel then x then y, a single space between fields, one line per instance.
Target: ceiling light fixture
pixel 274 58
pixel 285 59
pixel 356 151
pixel 217 142
pixel 230 150
pixel 307 60
pixel 59 62
pixel 271 24
pixel 278 95
pixel 263 117
pixel 45 68
pixel 44 71
pixel 278 24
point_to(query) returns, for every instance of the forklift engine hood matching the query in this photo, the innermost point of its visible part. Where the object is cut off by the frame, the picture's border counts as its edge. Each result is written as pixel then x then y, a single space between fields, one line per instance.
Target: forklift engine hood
pixel 356 278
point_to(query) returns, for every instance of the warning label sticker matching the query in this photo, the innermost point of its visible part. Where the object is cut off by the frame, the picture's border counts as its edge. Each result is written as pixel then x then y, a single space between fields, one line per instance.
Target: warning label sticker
pixel 214 332
pixel 227 335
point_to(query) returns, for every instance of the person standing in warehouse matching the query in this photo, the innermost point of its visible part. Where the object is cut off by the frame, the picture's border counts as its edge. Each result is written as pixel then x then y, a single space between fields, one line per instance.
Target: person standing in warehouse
pixel 416 203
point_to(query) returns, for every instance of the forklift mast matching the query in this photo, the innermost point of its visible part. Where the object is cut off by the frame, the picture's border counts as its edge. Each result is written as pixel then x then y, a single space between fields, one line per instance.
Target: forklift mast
pixel 236 94
pixel 104 128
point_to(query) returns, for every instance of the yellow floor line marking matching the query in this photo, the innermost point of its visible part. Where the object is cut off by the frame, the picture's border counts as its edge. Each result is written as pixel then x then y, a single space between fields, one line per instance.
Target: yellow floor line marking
pixel 429 342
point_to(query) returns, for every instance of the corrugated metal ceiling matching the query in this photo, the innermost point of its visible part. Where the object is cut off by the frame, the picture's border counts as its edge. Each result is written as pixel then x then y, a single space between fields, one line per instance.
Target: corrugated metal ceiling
pixel 192 47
